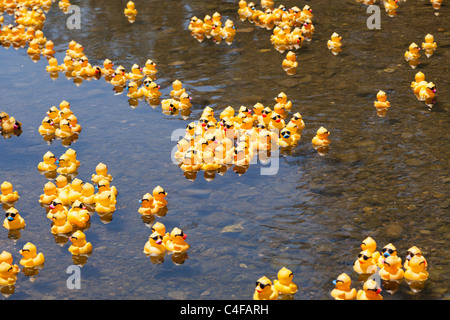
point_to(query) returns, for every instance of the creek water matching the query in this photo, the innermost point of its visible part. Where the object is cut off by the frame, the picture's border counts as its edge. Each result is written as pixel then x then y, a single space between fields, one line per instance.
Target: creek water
pixel 384 177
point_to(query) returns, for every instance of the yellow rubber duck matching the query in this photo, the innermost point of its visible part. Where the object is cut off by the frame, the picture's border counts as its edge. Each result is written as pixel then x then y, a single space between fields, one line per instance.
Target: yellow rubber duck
pixel 50 193
pixel 49 49
pixel 208 25
pixel 78 52
pixel 135 74
pixel 290 61
pixel 282 103
pixel 66 166
pixel 119 78
pixel 417 269
pixel 177 242
pixel 13 220
pixel 75 190
pixel 264 290
pixel 39 37
pixel 7 274
pixel 130 10
pixel 343 290
pixel 101 172
pixel 381 102
pixel 419 82
pixel 370 245
pixel 33 48
pixel 64 5
pixel 159 195
pixel 64 130
pixel 60 224
pixel 133 91
pixel 412 55
pixel 9 124
pixel 149 69
pixel 392 269
pixel 48 163
pixel 54 114
pixel 47 126
pixel 306 13
pixel 321 137
pixel 177 89
pixel 388 250
pixel 228 31
pixel 105 202
pixel 412 252
pixel 56 206
pixel 436 4
pixel 30 257
pixel 286 139
pixel 428 92
pixel 8 194
pixel 308 29
pixel 148 206
pixel 154 246
pixel 294 132
pixel 88 194
pixel 185 101
pixel 429 46
pixel 74 125
pixel 151 89
pixel 53 65
pixel 78 215
pixel 371 291
pixel 104 186
pixel 365 263
pixel 334 44
pixel 284 284
pixel 391 7
pixel 108 67
pixel 79 244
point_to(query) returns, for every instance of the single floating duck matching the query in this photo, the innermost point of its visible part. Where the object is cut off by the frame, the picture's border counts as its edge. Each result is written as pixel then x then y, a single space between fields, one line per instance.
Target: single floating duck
pixel 334 44
pixel 370 245
pixel 60 224
pixel 412 252
pixel 101 172
pixel 264 290
pixel 7 274
pixel 391 7
pixel 371 291
pixel 177 242
pixel 177 89
pixel 47 127
pixel 388 250
pixel 155 246
pixel 8 194
pixel 343 290
pixel 13 220
pixel 381 104
pixel 412 55
pixel 392 269
pixel 148 206
pixel 78 215
pixel 79 244
pixel 9 124
pixel 50 193
pixel 283 284
pixel 30 257
pixel 130 10
pixel 429 46
pixel 365 263
pixel 48 163
pixel 290 62
pixel 417 269
pixel 149 69
pixel 321 138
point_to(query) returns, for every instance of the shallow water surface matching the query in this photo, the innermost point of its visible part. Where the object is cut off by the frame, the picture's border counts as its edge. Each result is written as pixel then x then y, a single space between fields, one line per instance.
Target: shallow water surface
pixel 384 177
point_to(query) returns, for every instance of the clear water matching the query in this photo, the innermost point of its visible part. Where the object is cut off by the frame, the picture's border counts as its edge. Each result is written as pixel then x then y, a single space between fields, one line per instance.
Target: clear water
pixel 384 177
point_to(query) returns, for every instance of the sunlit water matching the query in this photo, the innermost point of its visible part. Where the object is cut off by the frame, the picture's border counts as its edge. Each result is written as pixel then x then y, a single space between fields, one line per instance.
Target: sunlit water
pixel 384 177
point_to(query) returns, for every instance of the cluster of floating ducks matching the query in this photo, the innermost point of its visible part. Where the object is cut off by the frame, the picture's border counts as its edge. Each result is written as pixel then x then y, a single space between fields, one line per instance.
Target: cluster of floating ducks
pixel 9 126
pixel 212 28
pixel 159 241
pixel 370 263
pixel 60 123
pixel 387 266
pixel 214 145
